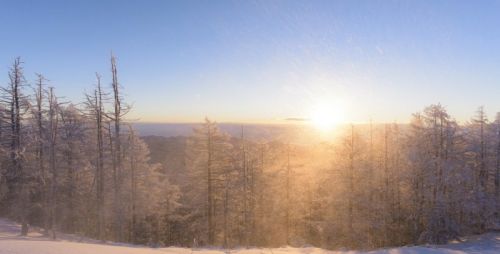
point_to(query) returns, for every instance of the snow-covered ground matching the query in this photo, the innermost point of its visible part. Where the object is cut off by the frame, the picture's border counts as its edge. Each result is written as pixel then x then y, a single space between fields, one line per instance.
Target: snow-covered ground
pixel 12 243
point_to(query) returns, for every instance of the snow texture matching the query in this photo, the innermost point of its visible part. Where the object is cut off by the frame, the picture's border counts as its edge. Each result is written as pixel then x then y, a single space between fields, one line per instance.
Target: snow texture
pixel 12 243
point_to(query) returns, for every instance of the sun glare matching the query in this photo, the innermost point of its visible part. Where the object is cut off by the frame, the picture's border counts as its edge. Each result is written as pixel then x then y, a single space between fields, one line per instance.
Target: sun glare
pixel 326 116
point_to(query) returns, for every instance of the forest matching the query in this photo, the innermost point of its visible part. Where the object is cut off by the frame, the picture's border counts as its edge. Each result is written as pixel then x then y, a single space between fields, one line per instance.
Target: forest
pixel 82 168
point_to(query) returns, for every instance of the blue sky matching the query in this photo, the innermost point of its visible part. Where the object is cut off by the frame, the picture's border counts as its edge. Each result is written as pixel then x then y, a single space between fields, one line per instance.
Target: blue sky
pixel 264 61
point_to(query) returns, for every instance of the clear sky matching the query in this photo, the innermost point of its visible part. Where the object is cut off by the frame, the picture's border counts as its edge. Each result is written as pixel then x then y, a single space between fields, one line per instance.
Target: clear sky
pixel 264 60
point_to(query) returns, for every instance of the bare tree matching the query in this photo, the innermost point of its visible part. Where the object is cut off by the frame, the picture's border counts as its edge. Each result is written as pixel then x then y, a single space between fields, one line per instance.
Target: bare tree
pixel 119 111
pixel 95 103
pixel 42 175
pixel 53 131
pixel 17 176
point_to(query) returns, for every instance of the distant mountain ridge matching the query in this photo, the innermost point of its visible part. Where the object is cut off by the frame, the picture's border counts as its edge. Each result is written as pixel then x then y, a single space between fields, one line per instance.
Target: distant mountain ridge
pixel 299 133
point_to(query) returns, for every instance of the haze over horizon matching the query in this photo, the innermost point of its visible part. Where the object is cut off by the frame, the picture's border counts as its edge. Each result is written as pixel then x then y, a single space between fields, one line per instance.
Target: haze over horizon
pixel 263 61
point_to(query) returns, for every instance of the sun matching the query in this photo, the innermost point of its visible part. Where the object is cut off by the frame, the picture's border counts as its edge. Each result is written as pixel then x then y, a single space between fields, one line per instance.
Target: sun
pixel 325 116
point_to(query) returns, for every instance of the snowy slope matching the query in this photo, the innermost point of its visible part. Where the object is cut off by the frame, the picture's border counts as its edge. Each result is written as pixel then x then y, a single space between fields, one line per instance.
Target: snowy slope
pixel 11 243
